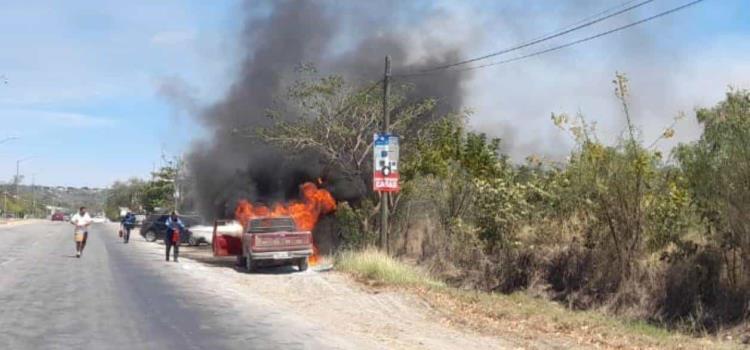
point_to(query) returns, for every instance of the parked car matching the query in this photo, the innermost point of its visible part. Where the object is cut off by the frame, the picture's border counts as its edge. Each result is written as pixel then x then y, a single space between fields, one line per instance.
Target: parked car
pixel 58 216
pixel 139 218
pixel 99 219
pixel 266 241
pixel 154 227
pixel 201 234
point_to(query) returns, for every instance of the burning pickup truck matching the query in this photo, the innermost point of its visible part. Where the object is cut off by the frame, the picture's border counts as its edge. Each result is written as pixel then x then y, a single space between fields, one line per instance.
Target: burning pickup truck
pixel 263 241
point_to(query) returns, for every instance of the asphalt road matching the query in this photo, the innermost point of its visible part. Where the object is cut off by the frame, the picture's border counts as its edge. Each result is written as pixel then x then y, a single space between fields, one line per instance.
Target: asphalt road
pixel 119 297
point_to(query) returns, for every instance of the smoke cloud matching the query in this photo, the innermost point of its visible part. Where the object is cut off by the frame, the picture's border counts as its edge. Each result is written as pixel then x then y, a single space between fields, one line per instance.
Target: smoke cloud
pixel 336 39
pixel 670 71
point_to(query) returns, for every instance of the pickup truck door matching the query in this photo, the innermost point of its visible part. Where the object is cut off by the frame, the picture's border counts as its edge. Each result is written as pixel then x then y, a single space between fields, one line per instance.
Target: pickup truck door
pixel 225 244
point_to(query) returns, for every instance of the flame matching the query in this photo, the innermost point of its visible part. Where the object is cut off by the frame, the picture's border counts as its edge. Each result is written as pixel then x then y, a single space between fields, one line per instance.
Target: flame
pixel 314 258
pixel 305 212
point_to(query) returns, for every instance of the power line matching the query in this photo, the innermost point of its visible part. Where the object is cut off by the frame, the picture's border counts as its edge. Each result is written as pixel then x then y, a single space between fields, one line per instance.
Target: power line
pixel 569 44
pixel 585 19
pixel 539 40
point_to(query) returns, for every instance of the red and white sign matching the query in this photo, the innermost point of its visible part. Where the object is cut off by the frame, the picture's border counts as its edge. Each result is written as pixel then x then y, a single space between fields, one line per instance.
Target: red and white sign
pixel 385 166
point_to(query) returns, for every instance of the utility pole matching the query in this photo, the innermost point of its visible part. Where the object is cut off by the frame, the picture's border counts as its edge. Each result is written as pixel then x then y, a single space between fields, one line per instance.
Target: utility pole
pixel 17 179
pixel 177 194
pixel 33 195
pixel 386 128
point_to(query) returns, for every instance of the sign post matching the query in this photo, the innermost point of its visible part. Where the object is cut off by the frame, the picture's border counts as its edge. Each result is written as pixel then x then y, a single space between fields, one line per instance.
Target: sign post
pixel 385 166
pixel 380 179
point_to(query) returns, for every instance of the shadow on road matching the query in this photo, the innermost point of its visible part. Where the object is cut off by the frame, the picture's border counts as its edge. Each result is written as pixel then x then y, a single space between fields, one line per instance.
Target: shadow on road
pixel 204 255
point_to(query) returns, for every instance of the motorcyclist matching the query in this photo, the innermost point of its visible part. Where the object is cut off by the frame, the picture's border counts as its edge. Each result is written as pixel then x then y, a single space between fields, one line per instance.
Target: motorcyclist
pixel 128 222
pixel 173 236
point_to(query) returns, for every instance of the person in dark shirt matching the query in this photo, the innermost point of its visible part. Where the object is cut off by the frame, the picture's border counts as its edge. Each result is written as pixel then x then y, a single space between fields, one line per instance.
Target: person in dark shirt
pixel 128 222
pixel 173 236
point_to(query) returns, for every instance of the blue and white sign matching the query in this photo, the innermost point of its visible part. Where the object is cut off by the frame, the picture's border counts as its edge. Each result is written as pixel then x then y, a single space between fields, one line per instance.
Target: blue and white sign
pixel 385 162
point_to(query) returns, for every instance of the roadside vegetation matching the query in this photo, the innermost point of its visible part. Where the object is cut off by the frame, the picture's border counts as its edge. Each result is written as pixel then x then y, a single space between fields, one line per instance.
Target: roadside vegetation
pixel 534 317
pixel 152 195
pixel 375 267
pixel 619 227
pixel 32 200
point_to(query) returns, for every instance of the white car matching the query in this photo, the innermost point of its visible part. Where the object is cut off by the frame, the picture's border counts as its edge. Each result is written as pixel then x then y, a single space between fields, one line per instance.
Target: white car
pixel 204 233
pixel 200 234
pixel 99 220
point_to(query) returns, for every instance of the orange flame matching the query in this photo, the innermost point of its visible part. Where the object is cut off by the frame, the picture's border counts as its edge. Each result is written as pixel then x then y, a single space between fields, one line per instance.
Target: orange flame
pixel 305 212
pixel 313 260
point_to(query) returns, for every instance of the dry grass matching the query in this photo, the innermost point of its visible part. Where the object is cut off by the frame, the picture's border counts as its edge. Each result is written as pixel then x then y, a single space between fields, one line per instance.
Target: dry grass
pixel 518 314
pixel 375 267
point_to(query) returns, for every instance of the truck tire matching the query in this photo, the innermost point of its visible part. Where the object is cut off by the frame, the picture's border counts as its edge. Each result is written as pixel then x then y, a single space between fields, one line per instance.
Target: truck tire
pixel 193 242
pixel 150 236
pixel 302 264
pixel 249 265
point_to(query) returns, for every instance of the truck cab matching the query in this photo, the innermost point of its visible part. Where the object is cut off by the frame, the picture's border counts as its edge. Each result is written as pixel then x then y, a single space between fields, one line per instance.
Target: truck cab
pixel 263 241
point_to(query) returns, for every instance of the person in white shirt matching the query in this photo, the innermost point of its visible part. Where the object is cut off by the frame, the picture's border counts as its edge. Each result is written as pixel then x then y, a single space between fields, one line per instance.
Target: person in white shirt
pixel 81 221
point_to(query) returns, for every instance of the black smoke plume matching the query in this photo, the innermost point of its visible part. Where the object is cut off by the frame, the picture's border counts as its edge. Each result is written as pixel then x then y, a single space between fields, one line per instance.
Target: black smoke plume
pixel 231 165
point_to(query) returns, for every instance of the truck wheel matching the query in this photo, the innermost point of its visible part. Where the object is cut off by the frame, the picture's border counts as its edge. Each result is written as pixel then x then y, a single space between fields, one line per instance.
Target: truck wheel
pixel 193 242
pixel 249 265
pixel 150 236
pixel 302 264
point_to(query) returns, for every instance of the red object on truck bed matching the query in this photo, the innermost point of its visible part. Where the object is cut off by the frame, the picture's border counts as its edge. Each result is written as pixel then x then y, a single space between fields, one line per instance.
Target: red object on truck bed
pixel 263 241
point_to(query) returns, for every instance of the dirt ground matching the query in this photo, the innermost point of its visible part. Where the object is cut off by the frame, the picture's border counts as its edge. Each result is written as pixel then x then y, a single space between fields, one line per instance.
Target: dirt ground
pixel 388 319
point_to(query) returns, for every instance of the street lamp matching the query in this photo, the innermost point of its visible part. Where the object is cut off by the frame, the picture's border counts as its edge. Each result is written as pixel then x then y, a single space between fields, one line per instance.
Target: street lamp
pixel 17 180
pixel 8 139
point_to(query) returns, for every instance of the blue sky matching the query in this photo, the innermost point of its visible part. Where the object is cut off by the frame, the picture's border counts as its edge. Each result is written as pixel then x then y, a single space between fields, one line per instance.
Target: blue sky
pixel 84 77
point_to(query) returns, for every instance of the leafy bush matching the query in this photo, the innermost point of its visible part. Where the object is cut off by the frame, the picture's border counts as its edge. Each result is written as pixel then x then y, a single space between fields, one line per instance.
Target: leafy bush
pixel 717 169
pixel 351 231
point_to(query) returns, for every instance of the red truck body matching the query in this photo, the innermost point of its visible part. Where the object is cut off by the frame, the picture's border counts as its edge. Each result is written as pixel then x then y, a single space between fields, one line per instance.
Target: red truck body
pixel 263 241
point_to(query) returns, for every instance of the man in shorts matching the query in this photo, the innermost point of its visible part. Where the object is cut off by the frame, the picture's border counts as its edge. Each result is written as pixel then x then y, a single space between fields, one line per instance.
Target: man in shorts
pixel 81 221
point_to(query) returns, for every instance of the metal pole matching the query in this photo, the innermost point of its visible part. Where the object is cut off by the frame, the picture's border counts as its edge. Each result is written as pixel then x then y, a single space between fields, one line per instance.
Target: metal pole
pixel 16 180
pixel 386 127
pixel 18 174
pixel 177 194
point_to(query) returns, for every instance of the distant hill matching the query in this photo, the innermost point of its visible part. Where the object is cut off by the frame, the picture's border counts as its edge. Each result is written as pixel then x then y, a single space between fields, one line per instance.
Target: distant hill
pixel 65 197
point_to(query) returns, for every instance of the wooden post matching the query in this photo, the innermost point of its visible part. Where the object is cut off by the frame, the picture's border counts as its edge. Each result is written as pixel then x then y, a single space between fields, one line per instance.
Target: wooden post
pixel 386 126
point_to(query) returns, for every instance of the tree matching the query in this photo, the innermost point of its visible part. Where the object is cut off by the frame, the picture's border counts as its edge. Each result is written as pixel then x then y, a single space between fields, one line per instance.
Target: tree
pixel 717 169
pixel 329 118
pixel 160 191
pixel 479 184
pixel 627 201
pixel 128 194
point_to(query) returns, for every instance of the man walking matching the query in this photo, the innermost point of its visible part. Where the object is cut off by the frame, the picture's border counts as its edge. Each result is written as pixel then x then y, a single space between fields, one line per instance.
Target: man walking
pixel 127 224
pixel 173 236
pixel 81 221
